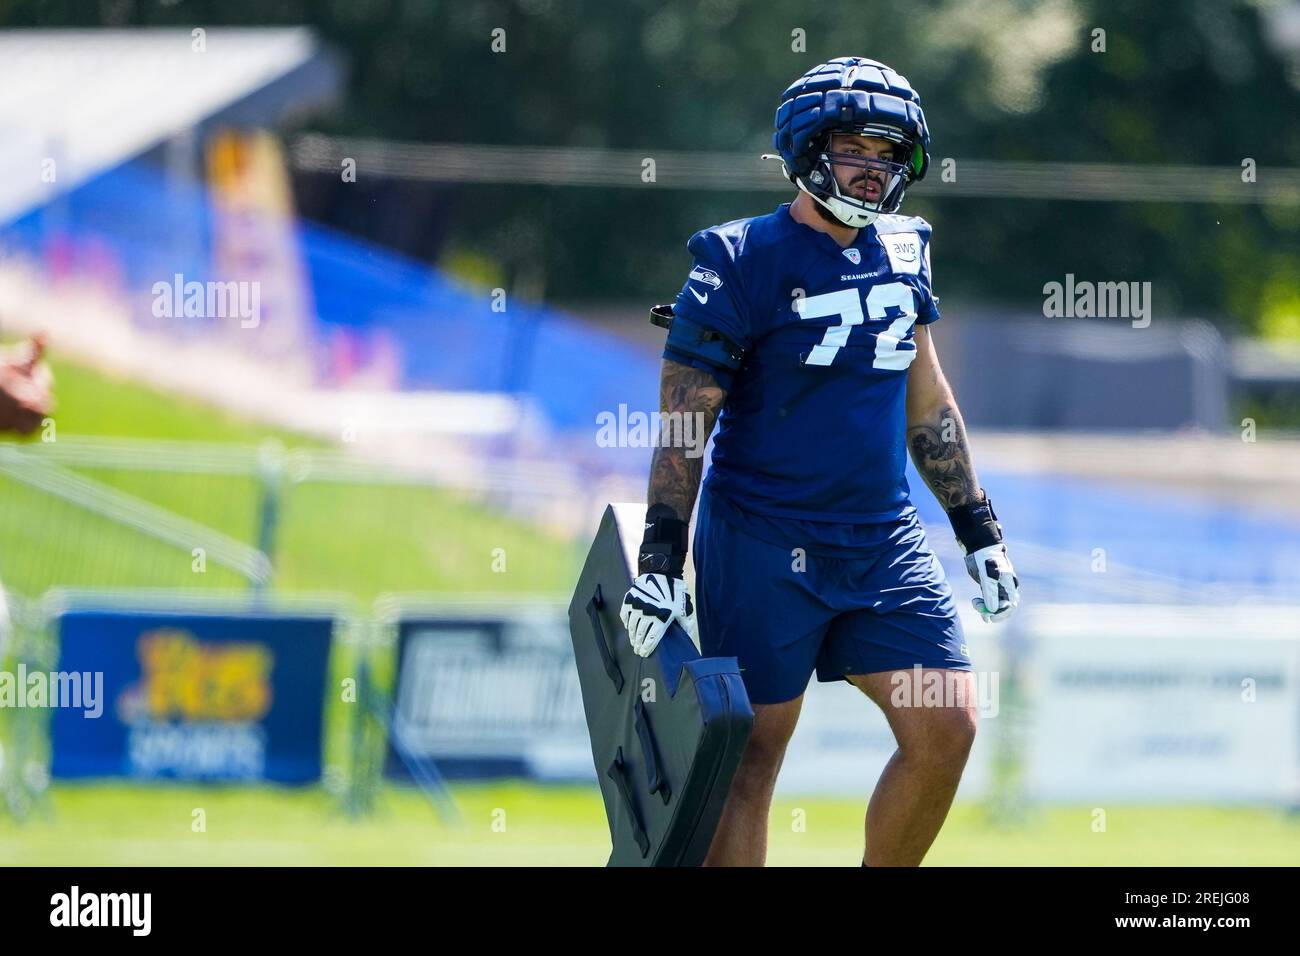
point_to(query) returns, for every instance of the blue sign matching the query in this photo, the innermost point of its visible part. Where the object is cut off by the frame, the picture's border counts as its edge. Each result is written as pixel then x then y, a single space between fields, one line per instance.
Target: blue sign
pixel 193 696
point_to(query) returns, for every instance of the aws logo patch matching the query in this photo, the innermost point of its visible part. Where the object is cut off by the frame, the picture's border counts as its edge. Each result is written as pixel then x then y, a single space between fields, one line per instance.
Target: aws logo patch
pixel 904 251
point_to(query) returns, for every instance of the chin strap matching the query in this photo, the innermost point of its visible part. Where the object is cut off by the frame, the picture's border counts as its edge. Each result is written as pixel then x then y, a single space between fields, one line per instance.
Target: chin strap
pixel 867 216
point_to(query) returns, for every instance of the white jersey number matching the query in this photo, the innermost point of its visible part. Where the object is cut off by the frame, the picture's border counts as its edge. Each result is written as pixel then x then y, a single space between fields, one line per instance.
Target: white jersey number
pixel 894 300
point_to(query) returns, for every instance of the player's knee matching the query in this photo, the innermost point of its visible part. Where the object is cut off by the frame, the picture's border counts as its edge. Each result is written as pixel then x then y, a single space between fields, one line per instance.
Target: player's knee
pixel 964 724
pixel 957 735
pixel 948 736
pixel 763 756
pixel 762 761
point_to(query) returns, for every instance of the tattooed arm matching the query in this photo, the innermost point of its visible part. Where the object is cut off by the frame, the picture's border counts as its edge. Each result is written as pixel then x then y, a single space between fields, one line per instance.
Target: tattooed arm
pixel 690 400
pixel 936 435
pixel 677 465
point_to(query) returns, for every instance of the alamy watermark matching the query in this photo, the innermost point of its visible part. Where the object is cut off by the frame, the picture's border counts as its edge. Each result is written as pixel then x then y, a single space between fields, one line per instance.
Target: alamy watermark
pixel 1083 299
pixel 688 430
pixel 933 687
pixel 65 690
pixel 179 299
pixel 75 908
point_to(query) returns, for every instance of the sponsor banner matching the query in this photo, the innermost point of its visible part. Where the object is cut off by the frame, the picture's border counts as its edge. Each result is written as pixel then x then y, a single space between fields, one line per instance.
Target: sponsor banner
pixel 194 696
pixel 499 696
pixel 489 696
pixel 1141 702
pixel 1163 703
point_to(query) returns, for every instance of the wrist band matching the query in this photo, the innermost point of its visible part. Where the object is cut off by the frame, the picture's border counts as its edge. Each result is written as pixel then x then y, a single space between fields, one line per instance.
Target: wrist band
pixel 663 549
pixel 975 524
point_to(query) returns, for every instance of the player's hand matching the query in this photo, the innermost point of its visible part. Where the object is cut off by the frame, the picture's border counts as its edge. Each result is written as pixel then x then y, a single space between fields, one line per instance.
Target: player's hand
pixel 652 603
pixel 25 387
pixel 999 587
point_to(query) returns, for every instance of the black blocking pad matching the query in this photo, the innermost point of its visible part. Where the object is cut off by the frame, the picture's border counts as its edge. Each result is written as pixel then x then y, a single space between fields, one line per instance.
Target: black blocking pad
pixel 667 731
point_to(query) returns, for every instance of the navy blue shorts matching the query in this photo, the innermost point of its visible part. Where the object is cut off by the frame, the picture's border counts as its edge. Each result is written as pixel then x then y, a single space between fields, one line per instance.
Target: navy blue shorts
pixel 784 615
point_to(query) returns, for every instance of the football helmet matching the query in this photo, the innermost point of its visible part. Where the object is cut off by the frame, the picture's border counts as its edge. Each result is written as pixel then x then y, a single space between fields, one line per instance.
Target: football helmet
pixel 859 96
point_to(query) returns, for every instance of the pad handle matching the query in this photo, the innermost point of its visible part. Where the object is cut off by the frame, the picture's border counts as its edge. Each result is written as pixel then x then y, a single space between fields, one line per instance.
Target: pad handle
pixel 653 770
pixel 606 658
pixel 618 773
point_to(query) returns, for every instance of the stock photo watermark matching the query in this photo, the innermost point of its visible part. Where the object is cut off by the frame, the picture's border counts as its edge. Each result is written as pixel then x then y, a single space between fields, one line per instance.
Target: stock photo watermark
pixel 63 690
pixel 930 687
pixel 1084 299
pixel 179 299
pixel 624 429
pixel 77 908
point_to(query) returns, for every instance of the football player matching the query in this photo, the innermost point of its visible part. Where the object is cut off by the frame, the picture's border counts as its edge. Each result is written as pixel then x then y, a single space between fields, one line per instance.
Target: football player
pixel 804 334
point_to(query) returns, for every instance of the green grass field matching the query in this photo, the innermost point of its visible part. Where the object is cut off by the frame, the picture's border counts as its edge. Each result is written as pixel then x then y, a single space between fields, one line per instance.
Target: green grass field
pixel 532 825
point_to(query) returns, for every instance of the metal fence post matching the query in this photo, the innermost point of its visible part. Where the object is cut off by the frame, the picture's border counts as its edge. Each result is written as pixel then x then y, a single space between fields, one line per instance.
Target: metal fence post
pixel 270 474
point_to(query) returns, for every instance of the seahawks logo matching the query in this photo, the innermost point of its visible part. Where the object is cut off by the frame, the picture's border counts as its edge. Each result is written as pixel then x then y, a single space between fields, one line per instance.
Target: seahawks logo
pixel 707 276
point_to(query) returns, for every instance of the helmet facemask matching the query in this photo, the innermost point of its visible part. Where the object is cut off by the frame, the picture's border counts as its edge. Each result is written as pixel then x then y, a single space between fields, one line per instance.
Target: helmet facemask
pixel 897 173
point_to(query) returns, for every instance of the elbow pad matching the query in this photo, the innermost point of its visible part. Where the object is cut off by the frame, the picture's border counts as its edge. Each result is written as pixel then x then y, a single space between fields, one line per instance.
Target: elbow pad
pixel 697 341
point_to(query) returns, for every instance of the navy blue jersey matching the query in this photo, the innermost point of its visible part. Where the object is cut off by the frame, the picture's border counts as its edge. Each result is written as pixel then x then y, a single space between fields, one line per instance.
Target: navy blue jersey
pixel 811 441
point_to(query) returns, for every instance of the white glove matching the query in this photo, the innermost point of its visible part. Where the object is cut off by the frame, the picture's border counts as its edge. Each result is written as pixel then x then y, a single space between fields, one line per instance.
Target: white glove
pixel 991 569
pixel 651 605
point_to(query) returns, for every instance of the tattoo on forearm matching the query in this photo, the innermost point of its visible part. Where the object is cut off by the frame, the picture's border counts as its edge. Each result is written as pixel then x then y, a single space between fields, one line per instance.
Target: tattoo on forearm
pixel 943 458
pixel 676 468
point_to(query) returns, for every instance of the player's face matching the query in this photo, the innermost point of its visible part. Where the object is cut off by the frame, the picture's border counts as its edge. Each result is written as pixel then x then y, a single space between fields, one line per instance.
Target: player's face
pixel 864 184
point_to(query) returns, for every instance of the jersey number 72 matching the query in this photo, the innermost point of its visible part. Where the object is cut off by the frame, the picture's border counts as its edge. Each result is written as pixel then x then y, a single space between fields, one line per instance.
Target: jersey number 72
pixel 892 300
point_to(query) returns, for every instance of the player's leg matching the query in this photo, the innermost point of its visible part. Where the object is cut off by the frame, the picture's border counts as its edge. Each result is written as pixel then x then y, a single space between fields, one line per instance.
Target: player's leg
pixel 916 789
pixel 900 615
pixel 757 605
pixel 741 837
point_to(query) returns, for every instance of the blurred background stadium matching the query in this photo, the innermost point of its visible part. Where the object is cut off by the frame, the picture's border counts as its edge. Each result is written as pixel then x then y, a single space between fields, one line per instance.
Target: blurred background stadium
pixel 320 518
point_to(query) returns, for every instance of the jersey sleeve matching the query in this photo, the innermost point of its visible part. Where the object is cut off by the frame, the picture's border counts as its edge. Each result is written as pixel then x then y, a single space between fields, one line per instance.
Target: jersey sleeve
pixel 712 298
pixel 928 310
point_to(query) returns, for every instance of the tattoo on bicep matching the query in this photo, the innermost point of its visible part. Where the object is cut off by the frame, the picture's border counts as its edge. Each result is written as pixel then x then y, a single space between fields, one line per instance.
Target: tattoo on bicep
pixel 690 400
pixel 943 458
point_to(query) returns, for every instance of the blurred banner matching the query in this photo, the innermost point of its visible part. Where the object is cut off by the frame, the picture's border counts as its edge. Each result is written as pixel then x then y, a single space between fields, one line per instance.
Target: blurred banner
pixel 1154 702
pixel 489 697
pixel 236 697
pixel 1174 703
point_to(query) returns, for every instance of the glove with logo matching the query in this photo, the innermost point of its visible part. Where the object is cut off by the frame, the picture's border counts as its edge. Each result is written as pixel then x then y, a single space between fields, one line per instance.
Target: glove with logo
pixel 980 536
pixel 659 595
